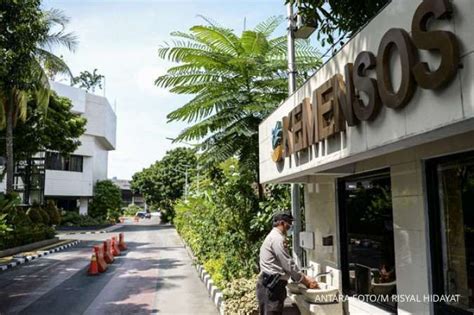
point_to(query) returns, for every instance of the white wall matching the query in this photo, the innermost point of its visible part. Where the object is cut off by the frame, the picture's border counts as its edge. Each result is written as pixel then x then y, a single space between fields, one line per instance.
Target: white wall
pixel 98 139
pixel 62 183
pixel 410 215
pixel 429 116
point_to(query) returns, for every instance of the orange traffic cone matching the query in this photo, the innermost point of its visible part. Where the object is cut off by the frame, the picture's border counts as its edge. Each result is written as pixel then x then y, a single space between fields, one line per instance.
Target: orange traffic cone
pixel 93 267
pixel 108 256
pixel 115 249
pixel 99 253
pixel 122 245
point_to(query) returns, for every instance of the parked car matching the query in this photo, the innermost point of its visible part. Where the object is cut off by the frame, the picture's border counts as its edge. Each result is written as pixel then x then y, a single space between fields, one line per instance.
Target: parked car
pixel 140 214
pixel 143 215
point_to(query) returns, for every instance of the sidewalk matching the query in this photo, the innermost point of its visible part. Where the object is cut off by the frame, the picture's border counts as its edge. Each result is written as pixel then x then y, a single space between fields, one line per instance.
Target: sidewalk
pixel 180 291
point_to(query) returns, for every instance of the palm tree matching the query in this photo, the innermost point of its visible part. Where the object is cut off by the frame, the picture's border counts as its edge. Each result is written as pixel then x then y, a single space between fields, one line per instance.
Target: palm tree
pixel 16 98
pixel 236 82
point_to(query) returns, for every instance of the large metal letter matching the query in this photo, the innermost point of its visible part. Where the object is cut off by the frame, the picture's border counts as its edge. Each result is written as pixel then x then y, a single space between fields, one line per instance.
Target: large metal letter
pixel 399 39
pixel 309 126
pixel 444 42
pixel 287 141
pixel 327 110
pixel 297 128
pixel 346 95
pixel 365 61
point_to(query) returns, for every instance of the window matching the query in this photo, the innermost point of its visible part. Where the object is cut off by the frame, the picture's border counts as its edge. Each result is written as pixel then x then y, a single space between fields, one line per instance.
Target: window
pixel 451 214
pixel 367 242
pixel 58 162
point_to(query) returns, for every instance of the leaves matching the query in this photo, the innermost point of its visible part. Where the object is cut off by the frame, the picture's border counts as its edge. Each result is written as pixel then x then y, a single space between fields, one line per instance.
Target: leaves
pixel 236 81
pixel 224 224
pixel 163 183
pixel 88 80
pixel 106 202
pixel 335 17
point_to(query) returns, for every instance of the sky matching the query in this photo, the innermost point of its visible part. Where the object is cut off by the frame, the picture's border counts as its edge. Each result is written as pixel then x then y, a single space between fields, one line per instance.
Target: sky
pixel 120 38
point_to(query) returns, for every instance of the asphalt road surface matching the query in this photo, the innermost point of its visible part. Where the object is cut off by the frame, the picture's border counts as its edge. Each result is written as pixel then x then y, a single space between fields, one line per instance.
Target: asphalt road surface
pixel 155 276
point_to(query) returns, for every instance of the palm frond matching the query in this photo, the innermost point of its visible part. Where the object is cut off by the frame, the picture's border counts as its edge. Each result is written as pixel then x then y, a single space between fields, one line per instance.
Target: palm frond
pixel 52 62
pixel 220 39
pixel 68 40
pixel 56 16
pixel 268 26
pixel 254 43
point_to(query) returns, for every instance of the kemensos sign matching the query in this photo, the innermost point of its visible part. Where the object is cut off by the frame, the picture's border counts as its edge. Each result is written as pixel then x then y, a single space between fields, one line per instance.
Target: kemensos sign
pixel 338 101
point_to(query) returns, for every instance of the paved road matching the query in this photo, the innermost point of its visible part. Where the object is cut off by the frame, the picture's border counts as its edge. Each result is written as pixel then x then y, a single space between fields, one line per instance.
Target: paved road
pixel 154 276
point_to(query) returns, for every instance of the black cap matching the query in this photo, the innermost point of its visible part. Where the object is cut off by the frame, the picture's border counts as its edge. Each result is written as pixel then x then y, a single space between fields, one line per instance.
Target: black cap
pixel 283 216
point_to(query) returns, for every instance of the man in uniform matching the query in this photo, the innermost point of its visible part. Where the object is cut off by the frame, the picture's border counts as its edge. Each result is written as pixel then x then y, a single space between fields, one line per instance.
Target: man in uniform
pixel 276 267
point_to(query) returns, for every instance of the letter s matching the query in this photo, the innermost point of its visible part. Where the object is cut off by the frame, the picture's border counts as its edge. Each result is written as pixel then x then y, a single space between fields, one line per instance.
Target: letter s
pixel 444 42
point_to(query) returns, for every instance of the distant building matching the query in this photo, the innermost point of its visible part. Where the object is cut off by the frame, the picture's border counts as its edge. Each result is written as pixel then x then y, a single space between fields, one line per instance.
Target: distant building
pixel 128 195
pixel 69 180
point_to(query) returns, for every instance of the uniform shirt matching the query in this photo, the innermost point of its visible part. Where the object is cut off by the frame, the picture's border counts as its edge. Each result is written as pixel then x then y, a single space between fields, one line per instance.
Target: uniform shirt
pixel 274 257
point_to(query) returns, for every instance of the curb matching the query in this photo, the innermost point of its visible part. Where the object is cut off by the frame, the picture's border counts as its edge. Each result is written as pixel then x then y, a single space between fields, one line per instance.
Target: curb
pixel 215 294
pixel 21 260
pixel 106 230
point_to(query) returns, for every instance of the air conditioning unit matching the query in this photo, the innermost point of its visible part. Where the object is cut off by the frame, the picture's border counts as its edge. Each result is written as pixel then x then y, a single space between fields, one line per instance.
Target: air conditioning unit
pixel 303 28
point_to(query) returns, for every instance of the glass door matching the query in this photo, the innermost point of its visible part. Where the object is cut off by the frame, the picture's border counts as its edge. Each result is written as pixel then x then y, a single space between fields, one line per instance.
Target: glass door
pixel 451 212
pixel 367 242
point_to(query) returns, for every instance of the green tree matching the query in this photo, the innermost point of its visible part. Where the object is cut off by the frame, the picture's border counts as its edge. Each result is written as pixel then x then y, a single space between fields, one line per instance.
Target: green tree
pixel 236 82
pixel 25 41
pixel 164 182
pixel 107 199
pixel 58 129
pixel 88 80
pixel 332 17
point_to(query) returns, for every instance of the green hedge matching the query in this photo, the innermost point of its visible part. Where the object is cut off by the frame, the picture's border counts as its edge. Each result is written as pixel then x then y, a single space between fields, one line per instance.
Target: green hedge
pixel 22 235
pixel 20 228
pixel 71 218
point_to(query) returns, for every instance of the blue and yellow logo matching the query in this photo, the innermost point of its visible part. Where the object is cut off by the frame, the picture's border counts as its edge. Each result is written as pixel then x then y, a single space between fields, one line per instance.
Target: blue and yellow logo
pixel 277 132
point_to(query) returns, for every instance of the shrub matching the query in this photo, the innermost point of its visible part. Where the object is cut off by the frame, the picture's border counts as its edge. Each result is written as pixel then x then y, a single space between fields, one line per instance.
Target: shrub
pixel 4 226
pixel 35 215
pixel 106 196
pixel 45 215
pixel 113 215
pixel 214 267
pixel 53 212
pixel 71 218
pixel 21 228
pixel 131 210
pixel 240 297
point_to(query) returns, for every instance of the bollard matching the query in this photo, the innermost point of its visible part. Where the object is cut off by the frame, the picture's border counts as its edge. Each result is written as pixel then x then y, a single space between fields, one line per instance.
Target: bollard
pixel 115 249
pixel 108 256
pixel 93 267
pixel 122 245
pixel 99 254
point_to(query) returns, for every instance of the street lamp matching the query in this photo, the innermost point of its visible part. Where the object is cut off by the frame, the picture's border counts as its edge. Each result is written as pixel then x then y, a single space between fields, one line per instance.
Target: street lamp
pixel 295 188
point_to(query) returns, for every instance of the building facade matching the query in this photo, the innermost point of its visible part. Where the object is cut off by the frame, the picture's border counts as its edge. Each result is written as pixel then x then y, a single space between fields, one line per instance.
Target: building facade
pixel 128 195
pixel 70 180
pixel 382 140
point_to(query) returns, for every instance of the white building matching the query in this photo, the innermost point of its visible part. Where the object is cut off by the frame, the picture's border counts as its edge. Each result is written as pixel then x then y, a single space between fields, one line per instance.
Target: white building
pixel 393 194
pixel 70 180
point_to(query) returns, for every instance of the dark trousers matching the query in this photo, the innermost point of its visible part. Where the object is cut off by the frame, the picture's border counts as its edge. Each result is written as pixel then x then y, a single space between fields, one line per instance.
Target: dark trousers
pixel 270 302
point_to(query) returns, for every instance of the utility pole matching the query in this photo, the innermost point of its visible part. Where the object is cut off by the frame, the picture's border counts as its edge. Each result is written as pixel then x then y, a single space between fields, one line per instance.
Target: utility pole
pixel 295 188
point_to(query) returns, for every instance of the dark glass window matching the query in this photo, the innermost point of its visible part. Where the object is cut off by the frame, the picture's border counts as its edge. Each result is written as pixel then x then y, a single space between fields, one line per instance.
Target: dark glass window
pixel 451 182
pixel 58 162
pixel 367 235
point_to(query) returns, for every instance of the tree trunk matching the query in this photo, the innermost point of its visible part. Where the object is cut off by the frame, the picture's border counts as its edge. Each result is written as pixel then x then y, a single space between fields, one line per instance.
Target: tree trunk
pixel 9 142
